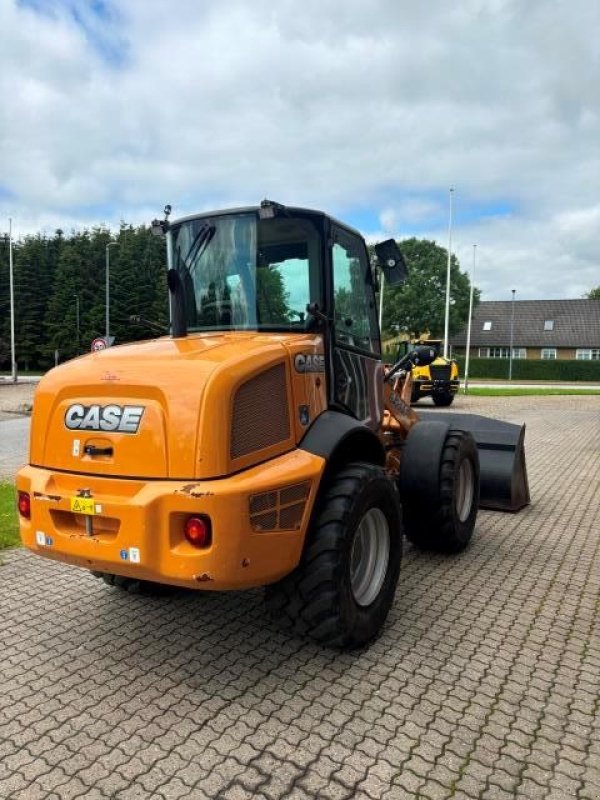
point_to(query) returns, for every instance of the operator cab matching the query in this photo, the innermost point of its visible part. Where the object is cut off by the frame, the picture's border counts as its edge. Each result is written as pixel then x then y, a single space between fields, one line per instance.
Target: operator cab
pixel 277 269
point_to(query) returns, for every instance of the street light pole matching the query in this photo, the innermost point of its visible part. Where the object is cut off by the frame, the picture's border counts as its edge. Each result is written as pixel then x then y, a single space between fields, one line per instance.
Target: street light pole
pixel 512 326
pixel 13 360
pixel 470 320
pixel 108 246
pixel 447 315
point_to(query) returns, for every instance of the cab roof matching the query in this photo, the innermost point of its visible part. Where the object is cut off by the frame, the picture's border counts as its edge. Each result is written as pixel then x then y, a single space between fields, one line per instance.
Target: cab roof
pixel 291 210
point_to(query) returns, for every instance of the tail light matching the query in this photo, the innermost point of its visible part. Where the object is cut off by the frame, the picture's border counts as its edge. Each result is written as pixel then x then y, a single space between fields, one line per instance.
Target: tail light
pixel 24 504
pixel 198 532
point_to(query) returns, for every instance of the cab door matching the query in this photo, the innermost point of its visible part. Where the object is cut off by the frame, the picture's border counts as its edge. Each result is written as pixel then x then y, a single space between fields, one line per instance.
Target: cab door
pixel 357 369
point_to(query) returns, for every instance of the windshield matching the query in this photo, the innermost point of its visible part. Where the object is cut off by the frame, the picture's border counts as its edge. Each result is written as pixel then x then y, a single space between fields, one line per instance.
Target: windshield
pixel 241 272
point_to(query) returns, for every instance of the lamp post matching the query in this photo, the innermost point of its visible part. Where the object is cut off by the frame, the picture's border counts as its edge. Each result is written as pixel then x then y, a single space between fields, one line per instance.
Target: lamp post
pixel 512 327
pixel 108 246
pixel 447 315
pixel 470 320
pixel 13 362
pixel 76 296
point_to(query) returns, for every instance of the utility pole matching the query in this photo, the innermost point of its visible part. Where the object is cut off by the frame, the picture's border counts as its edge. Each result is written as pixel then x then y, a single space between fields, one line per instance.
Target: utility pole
pixel 447 315
pixel 108 246
pixel 512 327
pixel 13 360
pixel 470 320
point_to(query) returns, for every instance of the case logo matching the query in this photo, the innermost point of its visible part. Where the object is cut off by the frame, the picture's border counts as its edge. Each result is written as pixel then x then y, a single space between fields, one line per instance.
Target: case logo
pixel 309 363
pixel 123 419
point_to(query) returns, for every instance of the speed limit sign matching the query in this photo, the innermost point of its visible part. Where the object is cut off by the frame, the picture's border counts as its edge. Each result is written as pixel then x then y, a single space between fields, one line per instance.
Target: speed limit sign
pixel 98 344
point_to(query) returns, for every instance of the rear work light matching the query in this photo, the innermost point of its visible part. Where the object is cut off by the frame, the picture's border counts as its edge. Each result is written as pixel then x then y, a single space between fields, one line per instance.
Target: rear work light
pixel 198 532
pixel 24 504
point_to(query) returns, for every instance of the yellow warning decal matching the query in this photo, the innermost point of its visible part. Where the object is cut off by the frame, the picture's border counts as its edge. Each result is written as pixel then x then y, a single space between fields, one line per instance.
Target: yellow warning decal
pixel 83 505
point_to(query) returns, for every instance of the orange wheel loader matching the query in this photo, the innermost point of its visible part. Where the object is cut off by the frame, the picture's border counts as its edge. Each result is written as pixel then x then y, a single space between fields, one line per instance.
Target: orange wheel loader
pixel 262 443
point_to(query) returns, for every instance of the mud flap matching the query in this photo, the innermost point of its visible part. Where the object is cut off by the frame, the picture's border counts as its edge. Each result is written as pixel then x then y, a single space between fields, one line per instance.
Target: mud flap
pixel 500 445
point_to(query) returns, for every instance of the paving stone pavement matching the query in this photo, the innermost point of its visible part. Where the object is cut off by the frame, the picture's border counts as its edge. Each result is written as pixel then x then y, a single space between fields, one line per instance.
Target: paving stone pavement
pixel 484 683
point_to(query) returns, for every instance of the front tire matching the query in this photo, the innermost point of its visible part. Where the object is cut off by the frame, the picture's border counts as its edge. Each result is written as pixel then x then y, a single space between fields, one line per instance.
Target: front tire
pixel 443 399
pixel 442 516
pixel 342 590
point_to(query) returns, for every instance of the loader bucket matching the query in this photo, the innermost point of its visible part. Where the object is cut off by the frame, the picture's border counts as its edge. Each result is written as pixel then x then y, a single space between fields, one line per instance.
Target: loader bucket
pixel 503 472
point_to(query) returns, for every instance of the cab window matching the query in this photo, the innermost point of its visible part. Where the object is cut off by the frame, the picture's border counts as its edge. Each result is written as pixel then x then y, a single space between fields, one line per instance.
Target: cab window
pixel 354 299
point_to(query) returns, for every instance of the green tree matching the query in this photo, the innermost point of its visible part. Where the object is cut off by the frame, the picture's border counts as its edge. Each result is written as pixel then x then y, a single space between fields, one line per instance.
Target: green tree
pixel 271 298
pixel 4 354
pixel 418 305
pixel 138 285
pixel 80 273
pixel 5 299
pixel 34 275
pixel 594 294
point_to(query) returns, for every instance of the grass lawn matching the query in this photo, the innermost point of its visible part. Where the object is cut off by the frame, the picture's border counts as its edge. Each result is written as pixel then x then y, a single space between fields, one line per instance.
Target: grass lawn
pixel 9 530
pixel 493 391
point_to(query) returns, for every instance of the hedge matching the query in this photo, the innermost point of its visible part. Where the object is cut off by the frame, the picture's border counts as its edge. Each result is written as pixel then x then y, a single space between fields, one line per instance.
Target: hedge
pixel 531 370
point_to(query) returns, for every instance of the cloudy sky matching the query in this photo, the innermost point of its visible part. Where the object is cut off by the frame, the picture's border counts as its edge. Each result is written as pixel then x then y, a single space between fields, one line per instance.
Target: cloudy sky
pixel 368 109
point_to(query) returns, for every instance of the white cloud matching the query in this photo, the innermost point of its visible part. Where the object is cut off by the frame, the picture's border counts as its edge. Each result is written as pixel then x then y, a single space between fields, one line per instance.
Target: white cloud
pixel 347 106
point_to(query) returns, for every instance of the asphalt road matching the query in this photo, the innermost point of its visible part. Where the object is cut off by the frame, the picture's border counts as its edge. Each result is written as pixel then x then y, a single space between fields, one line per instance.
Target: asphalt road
pixel 14 443
pixel 482 686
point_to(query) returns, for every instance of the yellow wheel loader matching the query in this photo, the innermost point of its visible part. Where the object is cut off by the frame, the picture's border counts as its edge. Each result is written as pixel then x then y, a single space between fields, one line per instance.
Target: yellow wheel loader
pixel 438 380
pixel 262 443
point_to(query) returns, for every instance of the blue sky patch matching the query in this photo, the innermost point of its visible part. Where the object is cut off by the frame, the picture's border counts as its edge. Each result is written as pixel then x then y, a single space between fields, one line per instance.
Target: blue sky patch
pixel 5 193
pixel 417 213
pixel 97 19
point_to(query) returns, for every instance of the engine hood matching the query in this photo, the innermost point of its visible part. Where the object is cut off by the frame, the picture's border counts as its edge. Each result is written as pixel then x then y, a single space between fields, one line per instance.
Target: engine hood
pixel 135 410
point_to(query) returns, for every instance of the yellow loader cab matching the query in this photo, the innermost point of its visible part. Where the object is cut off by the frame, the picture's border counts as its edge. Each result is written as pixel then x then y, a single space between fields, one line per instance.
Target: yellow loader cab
pixel 438 380
pixel 263 443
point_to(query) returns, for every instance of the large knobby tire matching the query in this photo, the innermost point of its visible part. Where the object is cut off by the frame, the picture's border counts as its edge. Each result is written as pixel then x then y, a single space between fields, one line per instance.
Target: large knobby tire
pixel 443 398
pixel 342 590
pixel 444 520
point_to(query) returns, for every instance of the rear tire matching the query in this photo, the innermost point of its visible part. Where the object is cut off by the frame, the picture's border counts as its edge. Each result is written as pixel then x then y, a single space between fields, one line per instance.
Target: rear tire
pixel 443 399
pixel 133 585
pixel 444 523
pixel 341 592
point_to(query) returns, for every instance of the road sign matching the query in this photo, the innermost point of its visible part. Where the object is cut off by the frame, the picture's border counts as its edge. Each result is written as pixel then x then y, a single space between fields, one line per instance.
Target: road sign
pixel 98 344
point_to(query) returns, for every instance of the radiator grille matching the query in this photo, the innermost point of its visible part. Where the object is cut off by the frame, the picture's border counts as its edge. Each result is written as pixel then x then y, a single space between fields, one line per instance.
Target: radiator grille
pixel 440 372
pixel 280 510
pixel 260 413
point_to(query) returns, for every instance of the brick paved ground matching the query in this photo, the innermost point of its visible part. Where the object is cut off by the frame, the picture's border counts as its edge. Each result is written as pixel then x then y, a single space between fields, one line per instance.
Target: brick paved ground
pixel 484 684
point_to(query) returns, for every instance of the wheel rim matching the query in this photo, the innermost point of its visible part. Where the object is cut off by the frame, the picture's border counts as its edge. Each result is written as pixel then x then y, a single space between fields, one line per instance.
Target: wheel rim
pixel 369 557
pixel 465 490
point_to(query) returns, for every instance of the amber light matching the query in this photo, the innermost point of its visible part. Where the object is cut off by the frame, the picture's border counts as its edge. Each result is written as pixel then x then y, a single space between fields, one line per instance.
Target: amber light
pixel 197 531
pixel 24 504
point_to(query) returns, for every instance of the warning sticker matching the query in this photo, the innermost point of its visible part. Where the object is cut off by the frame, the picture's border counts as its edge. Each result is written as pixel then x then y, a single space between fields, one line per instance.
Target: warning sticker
pixel 83 505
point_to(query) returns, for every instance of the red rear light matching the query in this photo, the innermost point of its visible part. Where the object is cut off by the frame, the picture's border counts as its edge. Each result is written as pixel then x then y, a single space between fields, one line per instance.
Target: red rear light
pixel 24 504
pixel 197 531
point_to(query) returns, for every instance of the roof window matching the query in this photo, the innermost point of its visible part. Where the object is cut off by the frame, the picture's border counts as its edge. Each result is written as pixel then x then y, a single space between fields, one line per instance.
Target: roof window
pixel 487 326
pixel 548 324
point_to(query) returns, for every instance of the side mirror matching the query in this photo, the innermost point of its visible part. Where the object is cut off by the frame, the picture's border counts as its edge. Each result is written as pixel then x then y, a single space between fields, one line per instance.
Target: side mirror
pixel 392 262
